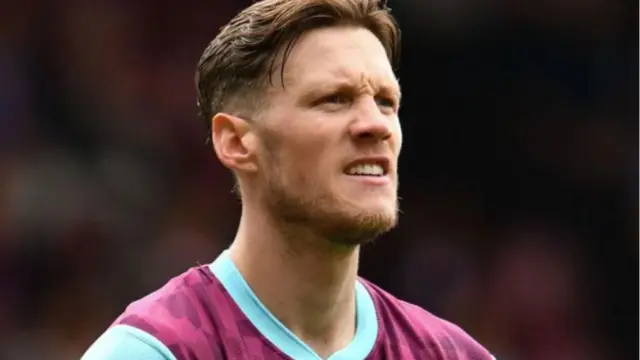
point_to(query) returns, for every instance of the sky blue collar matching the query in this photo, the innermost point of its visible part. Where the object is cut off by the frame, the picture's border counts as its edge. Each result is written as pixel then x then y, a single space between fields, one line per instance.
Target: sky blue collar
pixel 272 329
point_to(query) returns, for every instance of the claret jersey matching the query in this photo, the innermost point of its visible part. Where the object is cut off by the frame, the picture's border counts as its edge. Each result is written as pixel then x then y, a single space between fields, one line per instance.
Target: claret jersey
pixel 210 313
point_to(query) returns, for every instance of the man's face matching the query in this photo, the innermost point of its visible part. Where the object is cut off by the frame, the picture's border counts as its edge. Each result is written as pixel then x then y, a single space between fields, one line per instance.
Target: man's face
pixel 330 138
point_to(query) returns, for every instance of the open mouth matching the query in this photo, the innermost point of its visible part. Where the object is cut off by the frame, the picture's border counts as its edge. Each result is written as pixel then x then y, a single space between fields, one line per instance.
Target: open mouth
pixel 366 170
pixel 376 167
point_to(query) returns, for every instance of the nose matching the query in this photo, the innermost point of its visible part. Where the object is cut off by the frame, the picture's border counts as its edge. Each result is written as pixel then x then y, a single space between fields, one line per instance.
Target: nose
pixel 370 123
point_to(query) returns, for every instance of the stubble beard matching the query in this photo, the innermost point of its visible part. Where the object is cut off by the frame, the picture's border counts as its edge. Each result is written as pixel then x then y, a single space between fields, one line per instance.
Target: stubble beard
pixel 324 215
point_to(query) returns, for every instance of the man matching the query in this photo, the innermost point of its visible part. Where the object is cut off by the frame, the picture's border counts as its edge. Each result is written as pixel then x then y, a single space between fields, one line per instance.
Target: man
pixel 302 105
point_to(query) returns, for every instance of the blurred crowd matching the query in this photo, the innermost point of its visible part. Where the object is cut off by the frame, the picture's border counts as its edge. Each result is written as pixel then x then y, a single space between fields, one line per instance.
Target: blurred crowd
pixel 518 175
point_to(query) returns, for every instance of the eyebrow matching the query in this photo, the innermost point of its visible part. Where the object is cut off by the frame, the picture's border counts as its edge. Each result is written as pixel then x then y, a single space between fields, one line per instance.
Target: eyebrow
pixel 342 83
pixel 395 90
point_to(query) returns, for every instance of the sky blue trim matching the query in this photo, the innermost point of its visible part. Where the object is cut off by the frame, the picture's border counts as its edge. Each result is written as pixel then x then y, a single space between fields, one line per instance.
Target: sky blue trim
pixel 124 342
pixel 366 328
pixel 366 320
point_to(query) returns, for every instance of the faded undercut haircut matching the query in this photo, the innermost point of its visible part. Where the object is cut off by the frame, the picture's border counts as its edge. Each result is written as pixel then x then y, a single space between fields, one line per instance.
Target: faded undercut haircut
pixel 237 66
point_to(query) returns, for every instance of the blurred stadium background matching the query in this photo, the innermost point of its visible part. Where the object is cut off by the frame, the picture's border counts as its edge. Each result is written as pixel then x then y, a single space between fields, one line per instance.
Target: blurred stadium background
pixel 519 172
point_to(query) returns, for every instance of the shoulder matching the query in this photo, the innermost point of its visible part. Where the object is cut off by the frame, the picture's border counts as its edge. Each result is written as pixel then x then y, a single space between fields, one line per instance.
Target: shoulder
pixel 172 305
pixel 422 329
pixel 122 342
pixel 450 336
pixel 178 315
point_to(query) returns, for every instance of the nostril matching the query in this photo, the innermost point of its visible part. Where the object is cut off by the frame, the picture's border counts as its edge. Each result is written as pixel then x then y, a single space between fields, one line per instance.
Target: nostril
pixel 374 135
pixel 366 135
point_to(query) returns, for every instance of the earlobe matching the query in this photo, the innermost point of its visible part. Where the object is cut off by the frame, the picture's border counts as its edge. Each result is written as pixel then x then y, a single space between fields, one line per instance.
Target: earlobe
pixel 233 142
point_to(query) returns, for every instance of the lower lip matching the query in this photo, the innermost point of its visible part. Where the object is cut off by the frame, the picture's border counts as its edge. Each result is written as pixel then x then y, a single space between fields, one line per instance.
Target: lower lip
pixel 371 180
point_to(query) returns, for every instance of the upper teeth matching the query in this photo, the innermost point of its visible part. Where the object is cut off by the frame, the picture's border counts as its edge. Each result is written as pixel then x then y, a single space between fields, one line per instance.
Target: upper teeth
pixel 366 169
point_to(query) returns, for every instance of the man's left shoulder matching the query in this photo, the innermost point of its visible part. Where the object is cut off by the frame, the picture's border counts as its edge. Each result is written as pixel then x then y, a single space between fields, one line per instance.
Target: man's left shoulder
pixel 432 331
pixel 452 337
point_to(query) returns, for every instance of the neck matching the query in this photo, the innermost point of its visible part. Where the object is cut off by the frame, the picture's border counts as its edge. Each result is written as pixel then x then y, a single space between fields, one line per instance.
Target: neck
pixel 305 281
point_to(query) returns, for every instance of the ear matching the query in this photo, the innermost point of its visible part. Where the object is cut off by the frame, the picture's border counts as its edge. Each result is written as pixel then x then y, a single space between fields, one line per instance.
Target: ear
pixel 233 142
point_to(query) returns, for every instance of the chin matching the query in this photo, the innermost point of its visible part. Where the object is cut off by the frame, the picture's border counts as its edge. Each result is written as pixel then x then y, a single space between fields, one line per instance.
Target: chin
pixel 360 227
pixel 342 220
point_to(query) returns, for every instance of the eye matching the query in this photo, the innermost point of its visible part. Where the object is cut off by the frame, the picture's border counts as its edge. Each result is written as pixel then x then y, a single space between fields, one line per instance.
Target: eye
pixel 337 98
pixel 386 102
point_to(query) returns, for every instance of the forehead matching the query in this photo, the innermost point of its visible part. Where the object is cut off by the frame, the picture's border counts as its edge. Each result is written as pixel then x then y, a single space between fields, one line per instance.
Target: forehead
pixel 332 54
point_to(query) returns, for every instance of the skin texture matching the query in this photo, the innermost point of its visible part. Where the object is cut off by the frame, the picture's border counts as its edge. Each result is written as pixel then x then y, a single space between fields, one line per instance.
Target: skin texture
pixel 303 217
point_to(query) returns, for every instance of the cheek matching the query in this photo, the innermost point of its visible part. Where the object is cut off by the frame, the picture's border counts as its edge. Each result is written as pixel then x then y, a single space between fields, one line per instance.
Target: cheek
pixel 296 165
pixel 311 166
pixel 306 155
pixel 398 131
